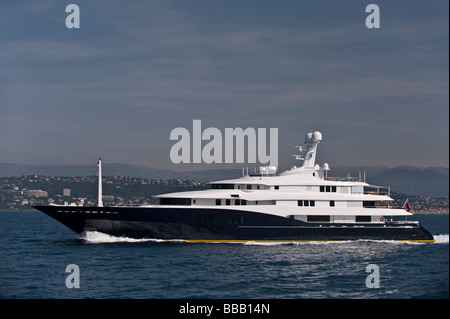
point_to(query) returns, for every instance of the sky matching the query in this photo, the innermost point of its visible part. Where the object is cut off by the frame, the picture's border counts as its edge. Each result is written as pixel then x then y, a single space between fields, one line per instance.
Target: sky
pixel 135 70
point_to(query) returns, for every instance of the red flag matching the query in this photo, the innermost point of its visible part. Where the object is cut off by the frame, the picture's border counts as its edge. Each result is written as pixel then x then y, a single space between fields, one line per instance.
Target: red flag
pixel 406 205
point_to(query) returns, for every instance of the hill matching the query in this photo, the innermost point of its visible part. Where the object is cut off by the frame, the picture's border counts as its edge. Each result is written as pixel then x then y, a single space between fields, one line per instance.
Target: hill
pixel 409 180
pixel 430 181
pixel 114 169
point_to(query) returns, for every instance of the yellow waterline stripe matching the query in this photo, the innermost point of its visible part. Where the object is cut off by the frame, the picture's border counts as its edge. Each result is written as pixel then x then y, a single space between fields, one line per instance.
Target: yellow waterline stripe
pixel 290 241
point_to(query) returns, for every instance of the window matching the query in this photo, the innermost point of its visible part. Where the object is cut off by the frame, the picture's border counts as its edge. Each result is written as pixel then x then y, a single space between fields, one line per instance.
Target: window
pixel 175 201
pixel 237 202
pixel 328 189
pixel 204 219
pixel 331 203
pixel 306 203
pixel 368 203
pixel 243 202
pixel 277 187
pixel 222 186
pixel 227 202
pixel 318 218
pixel 249 186
pixel 237 219
pixel 218 202
pixel 363 219
pixel 234 195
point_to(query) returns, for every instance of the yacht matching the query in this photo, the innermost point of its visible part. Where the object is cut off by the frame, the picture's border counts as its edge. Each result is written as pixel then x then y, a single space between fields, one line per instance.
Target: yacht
pixel 300 204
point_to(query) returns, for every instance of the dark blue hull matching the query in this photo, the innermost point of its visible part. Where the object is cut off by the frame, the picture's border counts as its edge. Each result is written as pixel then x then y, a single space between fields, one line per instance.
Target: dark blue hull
pixel 224 224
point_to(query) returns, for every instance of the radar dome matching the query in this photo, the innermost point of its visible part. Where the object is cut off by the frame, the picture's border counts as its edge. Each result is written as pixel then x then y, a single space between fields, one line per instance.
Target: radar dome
pixel 309 136
pixel 316 136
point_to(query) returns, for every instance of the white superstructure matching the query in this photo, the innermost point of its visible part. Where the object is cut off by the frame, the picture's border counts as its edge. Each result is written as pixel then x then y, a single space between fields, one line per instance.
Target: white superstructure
pixel 305 193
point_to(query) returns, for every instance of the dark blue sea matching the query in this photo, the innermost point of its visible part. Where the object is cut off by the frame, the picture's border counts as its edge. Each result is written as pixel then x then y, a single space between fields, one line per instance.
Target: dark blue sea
pixel 35 251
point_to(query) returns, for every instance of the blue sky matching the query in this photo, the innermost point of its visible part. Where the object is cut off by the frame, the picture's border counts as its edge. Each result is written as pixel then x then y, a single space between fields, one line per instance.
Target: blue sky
pixel 136 70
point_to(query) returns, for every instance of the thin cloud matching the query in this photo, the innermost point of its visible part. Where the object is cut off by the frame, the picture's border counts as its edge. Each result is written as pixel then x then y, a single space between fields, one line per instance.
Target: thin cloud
pixel 390 114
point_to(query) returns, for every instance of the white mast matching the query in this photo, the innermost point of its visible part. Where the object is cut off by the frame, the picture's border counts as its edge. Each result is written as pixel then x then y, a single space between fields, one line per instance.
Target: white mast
pixel 309 159
pixel 312 139
pixel 100 192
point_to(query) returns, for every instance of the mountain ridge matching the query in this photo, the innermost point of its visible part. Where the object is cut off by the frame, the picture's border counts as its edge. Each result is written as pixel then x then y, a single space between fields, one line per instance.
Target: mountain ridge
pixel 429 181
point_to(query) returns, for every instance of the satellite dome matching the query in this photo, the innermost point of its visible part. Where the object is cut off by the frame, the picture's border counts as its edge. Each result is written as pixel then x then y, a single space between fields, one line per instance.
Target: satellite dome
pixel 316 136
pixel 309 136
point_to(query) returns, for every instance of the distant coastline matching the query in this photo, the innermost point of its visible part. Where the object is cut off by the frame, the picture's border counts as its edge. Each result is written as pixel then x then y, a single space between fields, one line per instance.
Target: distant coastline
pixel 19 193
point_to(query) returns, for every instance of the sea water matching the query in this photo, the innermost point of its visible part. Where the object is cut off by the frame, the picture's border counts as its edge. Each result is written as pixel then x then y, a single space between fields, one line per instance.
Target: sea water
pixel 35 251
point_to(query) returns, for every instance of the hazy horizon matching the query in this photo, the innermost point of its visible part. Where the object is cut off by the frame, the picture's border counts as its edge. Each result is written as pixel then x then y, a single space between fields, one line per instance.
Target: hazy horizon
pixel 203 167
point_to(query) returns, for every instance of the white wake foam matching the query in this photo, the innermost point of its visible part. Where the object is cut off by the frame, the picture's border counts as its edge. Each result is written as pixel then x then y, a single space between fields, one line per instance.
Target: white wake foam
pixel 441 239
pixel 95 237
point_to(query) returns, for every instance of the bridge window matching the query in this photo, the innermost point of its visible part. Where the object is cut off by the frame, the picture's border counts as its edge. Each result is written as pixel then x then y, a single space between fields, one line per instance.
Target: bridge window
pixel 327 189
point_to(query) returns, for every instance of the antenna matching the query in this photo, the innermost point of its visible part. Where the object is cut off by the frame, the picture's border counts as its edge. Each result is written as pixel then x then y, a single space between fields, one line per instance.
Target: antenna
pixel 100 192
pixel 299 156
